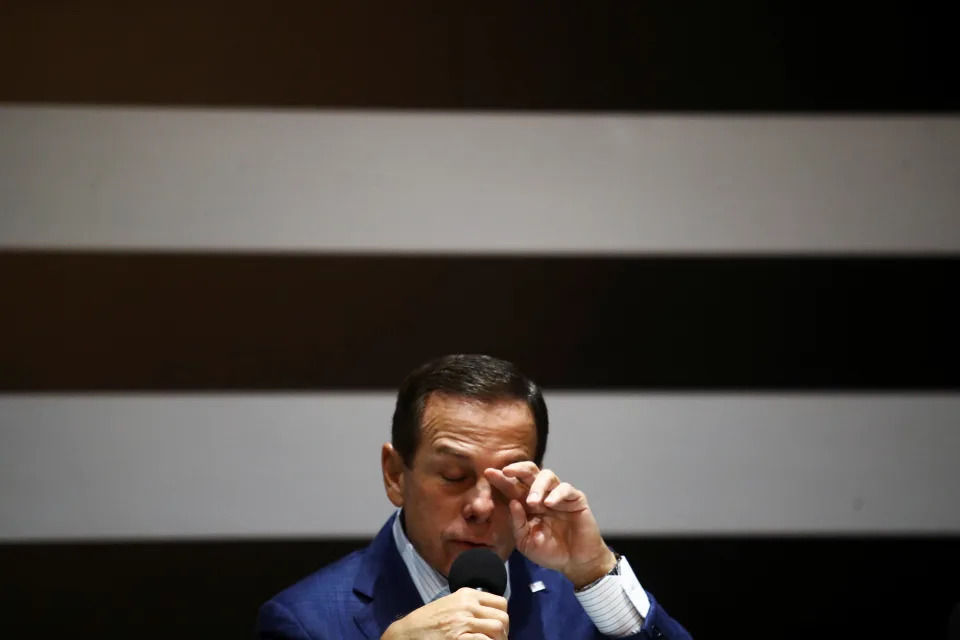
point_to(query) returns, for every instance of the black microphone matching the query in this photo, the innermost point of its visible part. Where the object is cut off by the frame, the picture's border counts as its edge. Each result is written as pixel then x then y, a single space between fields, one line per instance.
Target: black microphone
pixel 479 569
pixel 954 626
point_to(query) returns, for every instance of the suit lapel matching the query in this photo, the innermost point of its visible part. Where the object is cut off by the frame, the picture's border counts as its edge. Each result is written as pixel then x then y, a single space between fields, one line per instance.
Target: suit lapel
pixel 384 583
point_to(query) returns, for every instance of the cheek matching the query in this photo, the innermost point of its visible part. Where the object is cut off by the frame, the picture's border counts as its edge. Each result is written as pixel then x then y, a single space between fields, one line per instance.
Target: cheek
pixel 438 505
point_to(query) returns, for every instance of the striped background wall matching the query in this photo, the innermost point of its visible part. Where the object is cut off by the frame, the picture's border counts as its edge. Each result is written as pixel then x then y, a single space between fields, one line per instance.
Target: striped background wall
pixel 726 245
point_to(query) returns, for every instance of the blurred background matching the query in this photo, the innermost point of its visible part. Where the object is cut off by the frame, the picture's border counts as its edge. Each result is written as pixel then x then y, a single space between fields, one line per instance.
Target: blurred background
pixel 725 241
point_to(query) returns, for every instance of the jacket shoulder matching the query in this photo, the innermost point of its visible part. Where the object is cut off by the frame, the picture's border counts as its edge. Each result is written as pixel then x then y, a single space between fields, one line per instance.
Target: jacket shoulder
pixel 324 584
pixel 320 605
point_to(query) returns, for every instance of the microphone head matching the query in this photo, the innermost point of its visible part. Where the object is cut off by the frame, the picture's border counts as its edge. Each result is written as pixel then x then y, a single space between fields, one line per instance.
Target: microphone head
pixel 478 569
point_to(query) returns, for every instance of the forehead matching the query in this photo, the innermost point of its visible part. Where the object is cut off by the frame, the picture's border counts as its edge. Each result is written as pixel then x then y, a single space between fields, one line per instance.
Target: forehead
pixel 494 426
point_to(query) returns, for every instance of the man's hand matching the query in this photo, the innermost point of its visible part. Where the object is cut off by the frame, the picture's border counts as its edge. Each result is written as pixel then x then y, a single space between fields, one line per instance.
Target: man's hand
pixel 552 523
pixel 467 614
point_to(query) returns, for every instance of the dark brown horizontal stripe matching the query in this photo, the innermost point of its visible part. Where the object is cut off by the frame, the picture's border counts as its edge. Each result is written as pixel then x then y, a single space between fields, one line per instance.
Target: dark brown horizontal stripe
pixel 717 587
pixel 195 321
pixel 424 54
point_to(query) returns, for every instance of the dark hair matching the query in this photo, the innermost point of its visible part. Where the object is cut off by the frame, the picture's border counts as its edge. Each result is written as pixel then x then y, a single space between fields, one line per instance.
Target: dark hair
pixel 480 377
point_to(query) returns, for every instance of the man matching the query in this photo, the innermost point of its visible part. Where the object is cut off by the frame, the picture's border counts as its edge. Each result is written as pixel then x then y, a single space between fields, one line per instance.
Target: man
pixel 464 469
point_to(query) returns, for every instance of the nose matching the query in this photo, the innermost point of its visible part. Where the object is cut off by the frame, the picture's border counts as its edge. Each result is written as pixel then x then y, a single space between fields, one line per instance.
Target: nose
pixel 480 502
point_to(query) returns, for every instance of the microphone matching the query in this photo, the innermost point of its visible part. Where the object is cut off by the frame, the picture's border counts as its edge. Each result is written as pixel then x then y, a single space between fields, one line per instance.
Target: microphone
pixel 479 569
pixel 954 625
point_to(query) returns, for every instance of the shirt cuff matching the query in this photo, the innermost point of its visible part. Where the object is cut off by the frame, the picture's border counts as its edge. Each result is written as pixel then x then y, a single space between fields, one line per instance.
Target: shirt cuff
pixel 617 604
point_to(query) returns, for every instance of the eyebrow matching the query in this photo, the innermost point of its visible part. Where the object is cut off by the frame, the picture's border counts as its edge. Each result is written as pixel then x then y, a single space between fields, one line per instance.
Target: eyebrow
pixel 450 451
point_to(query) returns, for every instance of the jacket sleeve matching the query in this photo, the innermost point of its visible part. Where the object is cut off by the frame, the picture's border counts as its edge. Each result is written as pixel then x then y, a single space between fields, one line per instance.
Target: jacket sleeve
pixel 277 622
pixel 658 625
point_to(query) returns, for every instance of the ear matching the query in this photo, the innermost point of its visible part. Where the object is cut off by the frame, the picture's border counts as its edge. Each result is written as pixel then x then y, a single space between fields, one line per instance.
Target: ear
pixel 393 468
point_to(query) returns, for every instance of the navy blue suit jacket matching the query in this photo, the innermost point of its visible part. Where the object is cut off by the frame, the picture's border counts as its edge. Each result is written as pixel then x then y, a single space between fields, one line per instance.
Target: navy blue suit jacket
pixel 360 595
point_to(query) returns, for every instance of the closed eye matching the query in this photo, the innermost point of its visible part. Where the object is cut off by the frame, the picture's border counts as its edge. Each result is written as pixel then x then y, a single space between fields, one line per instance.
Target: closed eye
pixel 453 478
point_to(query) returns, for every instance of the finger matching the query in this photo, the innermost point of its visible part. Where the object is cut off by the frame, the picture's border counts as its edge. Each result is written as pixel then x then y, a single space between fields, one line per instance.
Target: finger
pixel 525 472
pixel 488 628
pixel 489 613
pixel 509 487
pixel 490 600
pixel 564 497
pixel 518 518
pixel 545 482
pixel 477 636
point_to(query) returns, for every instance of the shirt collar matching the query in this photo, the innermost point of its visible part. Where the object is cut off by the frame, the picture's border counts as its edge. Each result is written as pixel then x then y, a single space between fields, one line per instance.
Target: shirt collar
pixel 429 582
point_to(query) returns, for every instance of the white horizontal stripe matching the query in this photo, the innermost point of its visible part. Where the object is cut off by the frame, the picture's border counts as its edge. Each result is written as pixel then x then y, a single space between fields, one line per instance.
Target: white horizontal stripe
pixel 393 181
pixel 89 466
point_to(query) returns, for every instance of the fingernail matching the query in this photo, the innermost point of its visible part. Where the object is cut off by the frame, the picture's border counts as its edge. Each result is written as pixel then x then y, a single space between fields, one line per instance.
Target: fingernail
pixel 533 497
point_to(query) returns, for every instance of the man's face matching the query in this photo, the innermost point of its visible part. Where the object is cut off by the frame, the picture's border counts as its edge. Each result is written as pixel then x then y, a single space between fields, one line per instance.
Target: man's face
pixel 448 505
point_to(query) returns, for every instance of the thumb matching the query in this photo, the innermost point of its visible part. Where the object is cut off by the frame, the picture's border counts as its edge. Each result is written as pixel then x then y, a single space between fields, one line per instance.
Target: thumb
pixel 518 517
